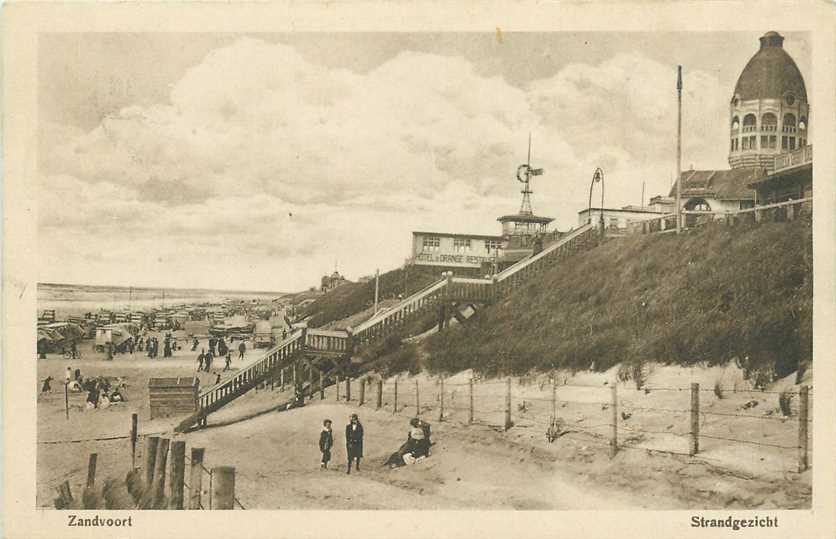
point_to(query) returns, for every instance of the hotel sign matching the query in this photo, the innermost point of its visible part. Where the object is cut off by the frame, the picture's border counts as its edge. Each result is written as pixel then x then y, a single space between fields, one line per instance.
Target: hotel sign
pixel 438 259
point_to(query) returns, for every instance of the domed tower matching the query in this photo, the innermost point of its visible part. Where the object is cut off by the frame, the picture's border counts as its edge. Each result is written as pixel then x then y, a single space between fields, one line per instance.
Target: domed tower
pixel 769 109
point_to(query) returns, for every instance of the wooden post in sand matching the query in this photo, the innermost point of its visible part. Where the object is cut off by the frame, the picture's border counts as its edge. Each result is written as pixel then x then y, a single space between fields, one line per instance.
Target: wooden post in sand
pixel 91 470
pixel 196 478
pixel 417 401
pixel 281 382
pixel 614 416
pixel 337 386
pixel 321 385
pixel 470 408
pixel 158 486
pixel 347 388
pixel 362 391
pixel 803 410
pixel 695 420
pixel 395 408
pixel 178 474
pixel 151 444
pixel 134 421
pixel 380 394
pixel 67 399
pixel 554 399
pixel 441 402
pixel 508 403
pixel 223 487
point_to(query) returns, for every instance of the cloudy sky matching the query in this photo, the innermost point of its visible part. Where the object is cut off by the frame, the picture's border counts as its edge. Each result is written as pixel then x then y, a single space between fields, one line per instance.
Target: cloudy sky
pixel 259 161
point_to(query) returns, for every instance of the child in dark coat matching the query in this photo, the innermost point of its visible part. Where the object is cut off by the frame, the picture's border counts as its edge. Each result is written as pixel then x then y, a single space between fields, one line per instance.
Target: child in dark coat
pixel 326 442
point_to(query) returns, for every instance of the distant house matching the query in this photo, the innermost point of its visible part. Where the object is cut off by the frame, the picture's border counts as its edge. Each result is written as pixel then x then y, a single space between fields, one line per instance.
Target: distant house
pixel 330 282
pixel 718 190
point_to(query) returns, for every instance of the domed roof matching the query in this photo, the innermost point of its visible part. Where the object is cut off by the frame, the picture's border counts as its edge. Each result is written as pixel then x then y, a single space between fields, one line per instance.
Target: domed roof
pixel 771 73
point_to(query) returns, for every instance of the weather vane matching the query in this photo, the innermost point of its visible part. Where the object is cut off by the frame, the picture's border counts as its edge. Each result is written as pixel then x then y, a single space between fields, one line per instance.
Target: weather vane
pixel 524 174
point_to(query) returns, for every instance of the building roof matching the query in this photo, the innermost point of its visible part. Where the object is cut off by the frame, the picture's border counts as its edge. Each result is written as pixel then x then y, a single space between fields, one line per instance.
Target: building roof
pixel 525 218
pixel 455 235
pixel 719 184
pixel 770 73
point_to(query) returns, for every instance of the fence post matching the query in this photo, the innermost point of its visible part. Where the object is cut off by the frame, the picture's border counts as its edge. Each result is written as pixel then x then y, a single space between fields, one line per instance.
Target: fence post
pixel 282 379
pixel 337 385
pixel 417 400
pixel 395 408
pixel 321 385
pixel 508 403
pixel 151 444
pixel 554 399
pixel 158 486
pixel 441 410
pixel 223 487
pixel 347 388
pixel 362 391
pixel 294 374
pixel 470 408
pixel 134 420
pixel 802 428
pixel 614 406
pixel 380 394
pixel 178 472
pixel 695 419
pixel 196 478
pixel 91 470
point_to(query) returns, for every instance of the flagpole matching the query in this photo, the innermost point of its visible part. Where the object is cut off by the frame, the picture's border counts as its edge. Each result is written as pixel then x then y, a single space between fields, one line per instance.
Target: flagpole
pixel 678 149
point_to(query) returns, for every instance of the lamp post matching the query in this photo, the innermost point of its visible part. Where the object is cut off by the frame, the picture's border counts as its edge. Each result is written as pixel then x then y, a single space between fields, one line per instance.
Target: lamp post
pixel 597 176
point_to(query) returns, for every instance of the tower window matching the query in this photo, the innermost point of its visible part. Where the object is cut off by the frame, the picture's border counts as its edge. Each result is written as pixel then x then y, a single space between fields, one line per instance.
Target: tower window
pixel 789 123
pixel 749 123
pixel 735 124
pixel 792 143
pixel 753 142
pixel 769 122
pixel 784 143
pixel 802 123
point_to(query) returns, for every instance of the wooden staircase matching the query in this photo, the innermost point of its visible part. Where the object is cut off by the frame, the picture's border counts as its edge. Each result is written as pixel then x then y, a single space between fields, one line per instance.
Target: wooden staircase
pixel 342 343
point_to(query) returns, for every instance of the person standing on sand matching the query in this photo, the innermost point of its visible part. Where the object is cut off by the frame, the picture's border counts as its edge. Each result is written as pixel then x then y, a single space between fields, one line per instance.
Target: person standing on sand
pixel 326 442
pixel 212 343
pixel 195 342
pixel 47 388
pixel 208 360
pixel 228 360
pixel 354 442
pixel 241 349
pixel 200 359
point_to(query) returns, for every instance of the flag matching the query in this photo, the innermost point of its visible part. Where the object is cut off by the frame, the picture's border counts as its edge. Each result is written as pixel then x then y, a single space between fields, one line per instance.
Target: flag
pixel 536 171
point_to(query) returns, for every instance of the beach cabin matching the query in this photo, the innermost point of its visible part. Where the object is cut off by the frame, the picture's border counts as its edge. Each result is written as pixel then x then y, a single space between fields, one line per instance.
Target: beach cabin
pixel 173 396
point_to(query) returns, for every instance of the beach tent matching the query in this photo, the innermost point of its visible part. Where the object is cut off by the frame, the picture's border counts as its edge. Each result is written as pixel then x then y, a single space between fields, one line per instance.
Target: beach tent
pixel 58 335
pixel 118 335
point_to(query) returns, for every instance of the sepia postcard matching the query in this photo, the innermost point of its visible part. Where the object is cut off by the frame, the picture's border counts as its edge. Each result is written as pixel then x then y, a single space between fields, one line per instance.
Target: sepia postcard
pixel 418 269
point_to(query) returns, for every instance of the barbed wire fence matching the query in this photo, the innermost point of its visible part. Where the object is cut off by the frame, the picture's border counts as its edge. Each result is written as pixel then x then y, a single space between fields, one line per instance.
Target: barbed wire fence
pixel 617 417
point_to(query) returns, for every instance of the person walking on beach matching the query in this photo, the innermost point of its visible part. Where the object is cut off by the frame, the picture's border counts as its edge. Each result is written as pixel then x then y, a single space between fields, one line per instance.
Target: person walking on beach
pixel 195 342
pixel 200 359
pixel 241 349
pixel 212 343
pixel 354 442
pixel 47 388
pixel 326 442
pixel 208 360
pixel 227 366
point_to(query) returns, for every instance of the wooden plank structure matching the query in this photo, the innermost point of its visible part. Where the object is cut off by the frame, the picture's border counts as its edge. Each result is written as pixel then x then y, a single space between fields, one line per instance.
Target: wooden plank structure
pixel 173 396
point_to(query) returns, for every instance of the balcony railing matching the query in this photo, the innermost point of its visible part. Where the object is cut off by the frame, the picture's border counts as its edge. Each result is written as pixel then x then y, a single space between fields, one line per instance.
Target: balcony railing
pixel 789 129
pixel 769 127
pixel 795 158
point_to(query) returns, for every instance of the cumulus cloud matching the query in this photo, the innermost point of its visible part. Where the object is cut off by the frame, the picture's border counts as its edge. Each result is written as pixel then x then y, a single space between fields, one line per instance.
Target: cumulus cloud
pixel 263 168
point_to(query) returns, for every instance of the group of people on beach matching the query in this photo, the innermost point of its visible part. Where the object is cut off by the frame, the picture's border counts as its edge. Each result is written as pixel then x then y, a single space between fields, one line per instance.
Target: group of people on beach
pixel 101 392
pixel 415 449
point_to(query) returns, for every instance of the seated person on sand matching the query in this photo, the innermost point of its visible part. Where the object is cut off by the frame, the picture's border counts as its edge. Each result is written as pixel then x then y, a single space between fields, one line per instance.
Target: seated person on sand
pixel 417 445
pixel 117 396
